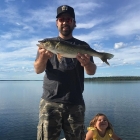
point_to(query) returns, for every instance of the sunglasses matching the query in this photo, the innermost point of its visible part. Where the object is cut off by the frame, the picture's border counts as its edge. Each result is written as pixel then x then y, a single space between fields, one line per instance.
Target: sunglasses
pixel 68 20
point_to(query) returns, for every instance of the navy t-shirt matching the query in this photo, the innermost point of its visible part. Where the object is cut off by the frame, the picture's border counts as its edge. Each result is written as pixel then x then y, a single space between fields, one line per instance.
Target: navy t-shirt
pixel 64 80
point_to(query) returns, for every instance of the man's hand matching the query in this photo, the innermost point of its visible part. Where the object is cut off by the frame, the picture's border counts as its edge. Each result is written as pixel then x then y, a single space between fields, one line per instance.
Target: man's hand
pixel 84 59
pixel 89 66
pixel 44 54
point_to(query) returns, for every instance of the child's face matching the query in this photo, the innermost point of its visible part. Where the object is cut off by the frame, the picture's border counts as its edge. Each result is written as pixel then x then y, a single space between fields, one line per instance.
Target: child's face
pixel 101 123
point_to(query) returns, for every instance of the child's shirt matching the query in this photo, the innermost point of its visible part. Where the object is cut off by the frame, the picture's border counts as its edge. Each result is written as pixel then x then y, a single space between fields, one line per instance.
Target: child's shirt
pixel 96 136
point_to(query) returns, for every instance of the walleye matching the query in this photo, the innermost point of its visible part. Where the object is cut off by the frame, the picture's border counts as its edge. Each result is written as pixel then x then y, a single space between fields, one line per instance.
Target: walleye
pixel 65 49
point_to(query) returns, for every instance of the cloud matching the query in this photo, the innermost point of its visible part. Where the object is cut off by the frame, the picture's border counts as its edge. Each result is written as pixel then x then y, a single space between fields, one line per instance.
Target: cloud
pixel 10 14
pixel 7 1
pixel 129 55
pixel 126 21
pixel 119 45
pixel 137 37
pixel 127 27
pixel 89 24
pixel 84 8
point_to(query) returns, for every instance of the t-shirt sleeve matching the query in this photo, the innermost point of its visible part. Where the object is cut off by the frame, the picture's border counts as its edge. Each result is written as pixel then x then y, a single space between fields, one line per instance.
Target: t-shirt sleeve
pixel 94 130
pixel 90 128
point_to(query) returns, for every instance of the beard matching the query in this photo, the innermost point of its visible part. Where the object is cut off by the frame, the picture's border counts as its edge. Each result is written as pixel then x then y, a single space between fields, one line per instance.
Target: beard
pixel 67 31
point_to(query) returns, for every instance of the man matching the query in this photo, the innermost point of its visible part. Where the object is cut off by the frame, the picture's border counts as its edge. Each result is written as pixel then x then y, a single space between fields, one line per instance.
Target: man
pixel 62 105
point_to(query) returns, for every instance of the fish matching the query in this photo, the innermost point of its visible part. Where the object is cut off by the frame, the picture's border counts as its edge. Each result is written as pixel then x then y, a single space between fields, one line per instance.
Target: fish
pixel 68 50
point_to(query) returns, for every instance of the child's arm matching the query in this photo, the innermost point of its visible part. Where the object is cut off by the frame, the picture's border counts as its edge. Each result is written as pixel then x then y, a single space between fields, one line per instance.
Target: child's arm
pixel 89 135
pixel 115 137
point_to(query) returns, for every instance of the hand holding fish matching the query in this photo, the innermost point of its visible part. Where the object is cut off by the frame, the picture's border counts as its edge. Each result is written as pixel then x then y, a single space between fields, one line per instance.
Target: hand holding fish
pixel 44 54
pixel 84 59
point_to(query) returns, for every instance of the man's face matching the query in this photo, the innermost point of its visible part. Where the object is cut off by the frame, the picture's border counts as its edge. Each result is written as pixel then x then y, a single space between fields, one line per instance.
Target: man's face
pixel 65 24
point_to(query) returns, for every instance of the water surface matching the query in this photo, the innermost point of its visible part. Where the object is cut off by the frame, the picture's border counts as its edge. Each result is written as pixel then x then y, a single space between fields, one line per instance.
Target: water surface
pixel 19 102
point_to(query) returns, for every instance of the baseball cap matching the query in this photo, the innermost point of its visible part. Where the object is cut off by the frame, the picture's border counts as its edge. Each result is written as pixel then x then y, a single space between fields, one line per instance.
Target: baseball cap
pixel 65 9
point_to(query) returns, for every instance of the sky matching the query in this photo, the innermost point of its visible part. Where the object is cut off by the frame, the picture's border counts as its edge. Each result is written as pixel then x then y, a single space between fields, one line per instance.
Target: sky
pixel 111 26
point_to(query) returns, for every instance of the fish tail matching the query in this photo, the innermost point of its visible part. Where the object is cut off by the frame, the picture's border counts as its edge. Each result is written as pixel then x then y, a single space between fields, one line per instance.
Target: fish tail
pixel 106 56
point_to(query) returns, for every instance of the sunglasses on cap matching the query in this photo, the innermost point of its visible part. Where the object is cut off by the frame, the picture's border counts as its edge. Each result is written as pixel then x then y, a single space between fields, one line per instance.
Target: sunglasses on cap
pixel 68 20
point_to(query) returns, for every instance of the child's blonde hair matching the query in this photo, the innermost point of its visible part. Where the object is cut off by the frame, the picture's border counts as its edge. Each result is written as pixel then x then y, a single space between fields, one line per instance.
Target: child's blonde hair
pixel 95 118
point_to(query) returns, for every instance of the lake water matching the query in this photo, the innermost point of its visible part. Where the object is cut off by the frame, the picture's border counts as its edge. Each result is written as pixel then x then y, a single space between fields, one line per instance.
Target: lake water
pixel 19 102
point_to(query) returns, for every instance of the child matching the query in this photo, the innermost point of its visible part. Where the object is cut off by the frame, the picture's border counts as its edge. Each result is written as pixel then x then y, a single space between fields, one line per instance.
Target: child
pixel 100 129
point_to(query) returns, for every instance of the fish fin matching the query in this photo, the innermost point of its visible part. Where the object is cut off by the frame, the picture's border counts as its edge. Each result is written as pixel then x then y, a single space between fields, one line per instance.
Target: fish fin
pixel 57 44
pixel 59 56
pixel 106 56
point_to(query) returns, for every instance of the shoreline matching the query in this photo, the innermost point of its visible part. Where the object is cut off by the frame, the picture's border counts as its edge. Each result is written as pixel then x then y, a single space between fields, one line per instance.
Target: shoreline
pixel 111 78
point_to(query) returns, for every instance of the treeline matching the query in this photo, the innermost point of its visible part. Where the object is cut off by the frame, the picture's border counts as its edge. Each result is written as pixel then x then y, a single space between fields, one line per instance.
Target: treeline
pixel 111 78
pixel 114 78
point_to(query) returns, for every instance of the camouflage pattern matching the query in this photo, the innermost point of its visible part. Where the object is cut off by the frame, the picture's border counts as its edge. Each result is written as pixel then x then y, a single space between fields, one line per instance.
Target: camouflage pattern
pixel 56 116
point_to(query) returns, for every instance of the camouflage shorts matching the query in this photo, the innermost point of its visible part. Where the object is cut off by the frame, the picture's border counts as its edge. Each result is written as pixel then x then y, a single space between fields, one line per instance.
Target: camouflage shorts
pixel 54 117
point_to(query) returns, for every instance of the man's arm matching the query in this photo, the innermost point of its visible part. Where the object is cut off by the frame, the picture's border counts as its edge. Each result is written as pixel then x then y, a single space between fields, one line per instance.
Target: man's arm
pixel 40 63
pixel 90 68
